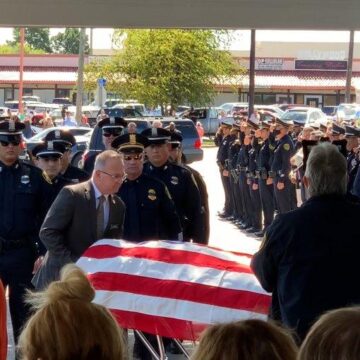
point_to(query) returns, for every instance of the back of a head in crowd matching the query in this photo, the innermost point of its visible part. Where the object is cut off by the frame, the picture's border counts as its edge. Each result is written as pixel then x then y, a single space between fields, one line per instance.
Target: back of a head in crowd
pixel 245 340
pixel 326 171
pixel 335 336
pixel 67 325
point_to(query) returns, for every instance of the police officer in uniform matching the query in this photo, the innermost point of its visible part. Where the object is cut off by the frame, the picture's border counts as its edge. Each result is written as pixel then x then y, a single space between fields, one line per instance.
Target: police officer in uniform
pixel 352 135
pixel 176 157
pixel 23 203
pixel 266 186
pixel 150 211
pixel 111 128
pixel 48 156
pixel 242 164
pixel 179 181
pixel 222 161
pixel 66 138
pixel 281 167
pixel 253 181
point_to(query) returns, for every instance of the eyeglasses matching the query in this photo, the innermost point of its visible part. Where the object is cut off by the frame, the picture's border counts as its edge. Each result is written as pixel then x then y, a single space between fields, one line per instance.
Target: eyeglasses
pixel 115 177
pixel 7 142
pixel 111 133
pixel 133 157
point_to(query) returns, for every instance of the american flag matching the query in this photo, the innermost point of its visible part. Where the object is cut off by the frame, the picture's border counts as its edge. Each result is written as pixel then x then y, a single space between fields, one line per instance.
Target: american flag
pixel 173 289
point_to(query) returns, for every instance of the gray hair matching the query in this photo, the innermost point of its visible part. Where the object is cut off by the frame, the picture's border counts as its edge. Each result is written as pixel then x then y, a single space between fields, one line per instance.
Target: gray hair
pixel 103 157
pixel 326 170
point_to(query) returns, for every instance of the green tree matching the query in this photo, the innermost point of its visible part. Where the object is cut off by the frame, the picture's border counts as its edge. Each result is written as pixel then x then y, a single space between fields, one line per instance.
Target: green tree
pixel 160 67
pixel 9 49
pixel 35 38
pixel 68 42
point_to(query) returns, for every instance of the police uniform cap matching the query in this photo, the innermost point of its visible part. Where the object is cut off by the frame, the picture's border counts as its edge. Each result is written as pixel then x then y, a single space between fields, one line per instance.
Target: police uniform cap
pixel 157 135
pixel 298 123
pixel 61 136
pixel 323 127
pixel 176 138
pixel 351 131
pixel 49 149
pixel 130 143
pixel 253 123
pixel 264 124
pixel 337 130
pixel 283 122
pixel 11 127
pixel 112 123
pixel 227 122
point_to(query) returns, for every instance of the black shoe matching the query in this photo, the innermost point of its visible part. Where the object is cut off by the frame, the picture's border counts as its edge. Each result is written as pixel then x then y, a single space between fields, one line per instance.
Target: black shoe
pixel 259 233
pixel 223 215
pixel 251 230
pixel 243 226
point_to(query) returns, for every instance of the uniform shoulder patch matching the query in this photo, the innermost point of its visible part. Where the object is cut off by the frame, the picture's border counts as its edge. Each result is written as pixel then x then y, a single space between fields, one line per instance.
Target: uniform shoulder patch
pixel 287 147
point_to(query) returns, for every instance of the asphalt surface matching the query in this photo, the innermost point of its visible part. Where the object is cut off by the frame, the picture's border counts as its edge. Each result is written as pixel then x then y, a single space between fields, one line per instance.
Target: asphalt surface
pixel 223 234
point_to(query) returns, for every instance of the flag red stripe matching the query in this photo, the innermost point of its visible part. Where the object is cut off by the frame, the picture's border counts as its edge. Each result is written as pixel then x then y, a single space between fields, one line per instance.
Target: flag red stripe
pixel 157 325
pixel 182 290
pixel 172 256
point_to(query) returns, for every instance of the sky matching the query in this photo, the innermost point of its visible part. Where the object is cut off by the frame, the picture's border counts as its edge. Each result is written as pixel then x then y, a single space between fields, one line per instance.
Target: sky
pixel 102 37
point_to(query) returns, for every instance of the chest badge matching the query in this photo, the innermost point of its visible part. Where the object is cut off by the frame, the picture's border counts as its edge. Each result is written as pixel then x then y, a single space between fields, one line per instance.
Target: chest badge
pixel 174 180
pixel 25 180
pixel 152 194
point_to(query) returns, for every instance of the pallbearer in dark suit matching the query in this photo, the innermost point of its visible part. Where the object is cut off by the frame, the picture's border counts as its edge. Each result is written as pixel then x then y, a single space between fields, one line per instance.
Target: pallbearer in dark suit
pixel 82 214
pixel 150 210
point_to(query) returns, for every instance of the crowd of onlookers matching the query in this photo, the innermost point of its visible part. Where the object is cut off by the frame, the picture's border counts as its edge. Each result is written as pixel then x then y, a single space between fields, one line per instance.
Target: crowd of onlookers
pixel 66 324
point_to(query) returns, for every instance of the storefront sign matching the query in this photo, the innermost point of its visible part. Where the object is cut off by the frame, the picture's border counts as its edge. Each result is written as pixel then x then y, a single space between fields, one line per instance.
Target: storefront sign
pixel 269 64
pixel 321 55
pixel 320 65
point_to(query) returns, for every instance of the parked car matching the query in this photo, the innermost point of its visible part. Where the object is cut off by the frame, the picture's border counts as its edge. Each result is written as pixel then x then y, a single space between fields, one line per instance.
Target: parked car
pixel 270 108
pixel 96 144
pixel 329 110
pixel 229 107
pixel 79 133
pixel 347 112
pixel 191 144
pixel 62 101
pixel 135 106
pixel 305 115
pixel 208 117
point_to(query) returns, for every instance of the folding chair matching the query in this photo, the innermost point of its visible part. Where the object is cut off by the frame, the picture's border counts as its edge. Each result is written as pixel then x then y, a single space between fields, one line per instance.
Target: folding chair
pixel 172 289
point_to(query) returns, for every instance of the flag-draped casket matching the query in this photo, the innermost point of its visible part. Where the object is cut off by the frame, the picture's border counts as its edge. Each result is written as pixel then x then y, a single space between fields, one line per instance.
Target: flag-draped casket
pixel 173 289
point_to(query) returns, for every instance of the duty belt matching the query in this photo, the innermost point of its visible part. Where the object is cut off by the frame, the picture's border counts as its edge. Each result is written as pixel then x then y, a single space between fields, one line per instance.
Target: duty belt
pixel 272 174
pixel 242 168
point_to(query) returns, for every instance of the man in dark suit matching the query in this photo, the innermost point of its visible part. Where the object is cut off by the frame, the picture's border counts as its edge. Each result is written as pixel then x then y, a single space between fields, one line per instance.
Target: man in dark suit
pixel 82 214
pixel 309 256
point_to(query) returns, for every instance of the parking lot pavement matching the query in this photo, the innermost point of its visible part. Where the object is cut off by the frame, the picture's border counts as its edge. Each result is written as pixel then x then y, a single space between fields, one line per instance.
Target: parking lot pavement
pixel 223 234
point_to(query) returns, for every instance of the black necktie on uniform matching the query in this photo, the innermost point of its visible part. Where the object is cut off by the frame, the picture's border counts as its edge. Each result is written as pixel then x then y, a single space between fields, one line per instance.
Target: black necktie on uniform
pixel 9 200
pixel 134 231
pixel 100 218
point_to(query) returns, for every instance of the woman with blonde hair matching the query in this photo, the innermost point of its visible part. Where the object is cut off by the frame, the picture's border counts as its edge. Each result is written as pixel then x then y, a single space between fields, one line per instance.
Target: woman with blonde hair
pixel 246 340
pixel 67 325
pixel 335 336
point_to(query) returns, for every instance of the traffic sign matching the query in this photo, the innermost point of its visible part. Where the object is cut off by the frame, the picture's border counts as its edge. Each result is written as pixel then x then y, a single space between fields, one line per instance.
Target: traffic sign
pixel 102 82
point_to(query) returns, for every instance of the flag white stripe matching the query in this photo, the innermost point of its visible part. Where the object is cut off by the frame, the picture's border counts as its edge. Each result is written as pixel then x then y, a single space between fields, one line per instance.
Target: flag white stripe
pixel 175 309
pixel 167 271
pixel 178 245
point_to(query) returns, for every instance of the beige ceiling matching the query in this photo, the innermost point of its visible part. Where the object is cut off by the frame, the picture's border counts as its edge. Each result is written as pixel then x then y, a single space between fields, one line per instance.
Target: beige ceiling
pixel 239 14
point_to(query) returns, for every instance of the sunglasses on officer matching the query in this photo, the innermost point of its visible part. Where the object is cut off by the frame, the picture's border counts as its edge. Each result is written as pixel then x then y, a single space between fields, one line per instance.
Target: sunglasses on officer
pixel 13 140
pixel 128 157
pixel 112 132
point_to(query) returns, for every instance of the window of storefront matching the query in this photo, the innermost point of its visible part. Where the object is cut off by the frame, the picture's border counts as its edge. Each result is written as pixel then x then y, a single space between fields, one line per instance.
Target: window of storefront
pixel 299 99
pixel 28 92
pixel 8 94
pixel 329 100
pixel 269 99
pixel 62 93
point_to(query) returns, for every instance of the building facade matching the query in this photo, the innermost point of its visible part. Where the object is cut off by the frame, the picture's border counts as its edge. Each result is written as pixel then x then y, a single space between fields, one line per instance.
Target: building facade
pixel 300 73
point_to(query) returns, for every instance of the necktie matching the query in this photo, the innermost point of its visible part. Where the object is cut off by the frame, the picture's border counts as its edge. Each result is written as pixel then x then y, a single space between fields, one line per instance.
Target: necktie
pixel 100 219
